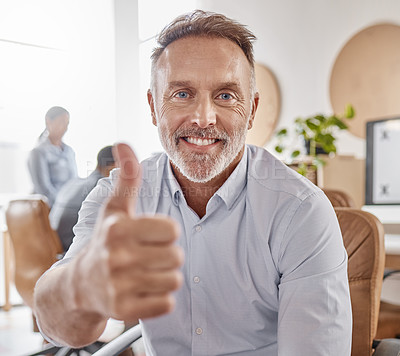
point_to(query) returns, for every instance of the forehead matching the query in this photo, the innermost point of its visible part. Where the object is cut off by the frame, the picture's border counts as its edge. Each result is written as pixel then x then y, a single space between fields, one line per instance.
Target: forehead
pixel 64 117
pixel 203 59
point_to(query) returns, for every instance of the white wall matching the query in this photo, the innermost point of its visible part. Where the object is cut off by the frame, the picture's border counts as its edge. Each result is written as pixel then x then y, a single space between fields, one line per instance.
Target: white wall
pixel 56 53
pixel 127 70
pixel 93 66
pixel 299 41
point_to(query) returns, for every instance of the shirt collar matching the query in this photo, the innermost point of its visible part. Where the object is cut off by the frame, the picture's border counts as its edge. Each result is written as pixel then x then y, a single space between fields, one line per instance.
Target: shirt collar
pixel 229 191
pixel 174 186
pixel 54 147
pixel 236 182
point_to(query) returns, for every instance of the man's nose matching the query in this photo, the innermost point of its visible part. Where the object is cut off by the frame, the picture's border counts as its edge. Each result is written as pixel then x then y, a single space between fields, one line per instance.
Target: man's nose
pixel 205 114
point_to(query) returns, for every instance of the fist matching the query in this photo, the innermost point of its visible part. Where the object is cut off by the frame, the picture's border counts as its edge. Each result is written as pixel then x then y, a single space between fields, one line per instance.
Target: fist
pixel 132 262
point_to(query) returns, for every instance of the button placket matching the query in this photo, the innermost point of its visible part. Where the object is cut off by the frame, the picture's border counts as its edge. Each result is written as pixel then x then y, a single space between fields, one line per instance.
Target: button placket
pixel 196 279
pixel 198 294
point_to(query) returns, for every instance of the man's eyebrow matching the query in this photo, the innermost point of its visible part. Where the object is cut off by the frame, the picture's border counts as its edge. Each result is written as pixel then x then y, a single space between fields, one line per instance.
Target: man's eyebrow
pixel 230 85
pixel 179 84
pixel 187 84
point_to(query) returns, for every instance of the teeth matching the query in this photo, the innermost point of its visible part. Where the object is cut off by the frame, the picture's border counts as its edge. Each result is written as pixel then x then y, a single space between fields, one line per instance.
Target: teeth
pixel 200 141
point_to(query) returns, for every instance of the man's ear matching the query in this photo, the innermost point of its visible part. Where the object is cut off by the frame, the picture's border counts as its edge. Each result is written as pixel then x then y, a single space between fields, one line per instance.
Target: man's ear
pixel 150 100
pixel 253 110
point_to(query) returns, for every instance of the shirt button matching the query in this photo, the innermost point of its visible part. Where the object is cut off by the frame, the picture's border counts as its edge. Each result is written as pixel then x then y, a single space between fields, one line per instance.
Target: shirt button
pixel 196 279
pixel 198 228
pixel 199 331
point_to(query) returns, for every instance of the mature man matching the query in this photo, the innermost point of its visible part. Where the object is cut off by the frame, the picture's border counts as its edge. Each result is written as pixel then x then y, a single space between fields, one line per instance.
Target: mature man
pixel 265 270
pixel 64 214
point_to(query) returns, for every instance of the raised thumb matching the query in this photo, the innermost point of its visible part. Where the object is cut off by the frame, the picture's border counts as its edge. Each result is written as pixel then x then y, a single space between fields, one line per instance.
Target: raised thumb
pixel 126 190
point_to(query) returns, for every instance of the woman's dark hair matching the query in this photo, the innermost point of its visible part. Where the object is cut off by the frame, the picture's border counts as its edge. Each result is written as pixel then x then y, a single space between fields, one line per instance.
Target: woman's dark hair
pixel 54 112
pixel 51 114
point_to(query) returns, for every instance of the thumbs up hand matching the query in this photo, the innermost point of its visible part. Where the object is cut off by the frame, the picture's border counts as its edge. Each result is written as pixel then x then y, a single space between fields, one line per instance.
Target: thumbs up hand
pixel 131 266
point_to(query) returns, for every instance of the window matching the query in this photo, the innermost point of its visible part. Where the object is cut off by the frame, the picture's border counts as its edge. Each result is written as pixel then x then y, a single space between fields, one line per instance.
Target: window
pixel 55 53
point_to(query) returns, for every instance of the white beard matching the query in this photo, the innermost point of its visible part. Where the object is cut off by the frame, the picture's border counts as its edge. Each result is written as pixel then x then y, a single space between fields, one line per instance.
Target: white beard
pixel 202 167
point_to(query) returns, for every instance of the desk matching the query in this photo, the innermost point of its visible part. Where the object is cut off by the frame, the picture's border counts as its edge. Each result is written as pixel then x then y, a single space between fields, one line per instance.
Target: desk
pixel 389 215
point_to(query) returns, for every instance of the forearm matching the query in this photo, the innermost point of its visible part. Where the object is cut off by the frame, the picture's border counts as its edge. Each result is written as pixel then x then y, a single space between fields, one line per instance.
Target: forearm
pixel 128 269
pixel 61 310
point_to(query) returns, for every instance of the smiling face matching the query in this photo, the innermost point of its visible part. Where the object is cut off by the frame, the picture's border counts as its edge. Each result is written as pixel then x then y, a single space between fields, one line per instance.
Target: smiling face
pixel 203 105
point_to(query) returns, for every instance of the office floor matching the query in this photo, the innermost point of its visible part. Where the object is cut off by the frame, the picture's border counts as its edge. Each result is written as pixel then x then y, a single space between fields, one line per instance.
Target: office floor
pixel 16 335
pixel 18 339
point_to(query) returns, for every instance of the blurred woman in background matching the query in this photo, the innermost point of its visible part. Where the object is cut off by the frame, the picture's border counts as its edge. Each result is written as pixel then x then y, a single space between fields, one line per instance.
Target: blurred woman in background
pixel 52 162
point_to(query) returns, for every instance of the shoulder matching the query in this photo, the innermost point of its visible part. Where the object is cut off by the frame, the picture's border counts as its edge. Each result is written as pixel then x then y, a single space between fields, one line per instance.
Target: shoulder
pixel 269 175
pixel 277 195
pixel 41 147
pixel 38 154
pixel 299 219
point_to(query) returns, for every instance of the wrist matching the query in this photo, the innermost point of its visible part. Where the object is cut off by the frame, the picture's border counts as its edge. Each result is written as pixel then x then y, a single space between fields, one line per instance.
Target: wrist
pixel 83 295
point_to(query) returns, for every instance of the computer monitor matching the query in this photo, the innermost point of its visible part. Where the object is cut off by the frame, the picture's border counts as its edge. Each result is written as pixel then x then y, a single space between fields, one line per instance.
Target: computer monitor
pixel 383 162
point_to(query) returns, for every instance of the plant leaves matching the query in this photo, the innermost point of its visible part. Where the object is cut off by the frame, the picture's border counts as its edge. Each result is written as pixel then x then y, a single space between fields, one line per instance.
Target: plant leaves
pixel 311 125
pixel 295 154
pixel 320 118
pixel 328 148
pixel 349 111
pixel 327 139
pixel 302 169
pixel 282 132
pixel 340 124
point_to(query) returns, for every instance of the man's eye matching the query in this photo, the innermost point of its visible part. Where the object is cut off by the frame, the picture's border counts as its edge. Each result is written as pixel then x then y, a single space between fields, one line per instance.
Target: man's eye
pixel 225 96
pixel 182 95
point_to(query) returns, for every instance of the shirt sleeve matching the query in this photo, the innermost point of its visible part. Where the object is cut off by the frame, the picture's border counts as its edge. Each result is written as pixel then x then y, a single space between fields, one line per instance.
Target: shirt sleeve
pixel 40 175
pixel 72 163
pixel 314 316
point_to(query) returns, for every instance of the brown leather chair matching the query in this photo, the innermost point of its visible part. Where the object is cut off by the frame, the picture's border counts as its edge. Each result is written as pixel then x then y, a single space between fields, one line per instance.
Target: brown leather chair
pixel 363 238
pixel 389 314
pixel 36 245
pixel 389 321
pixel 339 198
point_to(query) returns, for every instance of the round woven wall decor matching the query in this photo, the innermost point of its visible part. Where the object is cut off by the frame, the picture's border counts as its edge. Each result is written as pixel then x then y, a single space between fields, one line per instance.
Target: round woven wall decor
pixel 267 114
pixel 366 74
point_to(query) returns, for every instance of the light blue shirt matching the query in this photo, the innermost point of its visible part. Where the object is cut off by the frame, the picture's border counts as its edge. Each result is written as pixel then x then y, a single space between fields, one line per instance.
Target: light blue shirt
pixel 265 269
pixel 51 167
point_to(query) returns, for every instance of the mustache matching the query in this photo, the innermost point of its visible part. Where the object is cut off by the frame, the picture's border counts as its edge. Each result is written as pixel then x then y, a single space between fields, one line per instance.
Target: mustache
pixel 209 132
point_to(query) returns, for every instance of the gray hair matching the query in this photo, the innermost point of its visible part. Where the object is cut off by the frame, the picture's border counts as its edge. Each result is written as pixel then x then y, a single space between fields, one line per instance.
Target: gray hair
pixel 205 24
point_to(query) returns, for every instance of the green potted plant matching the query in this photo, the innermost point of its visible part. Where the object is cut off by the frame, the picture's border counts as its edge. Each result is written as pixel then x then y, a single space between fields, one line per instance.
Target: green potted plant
pixel 318 134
